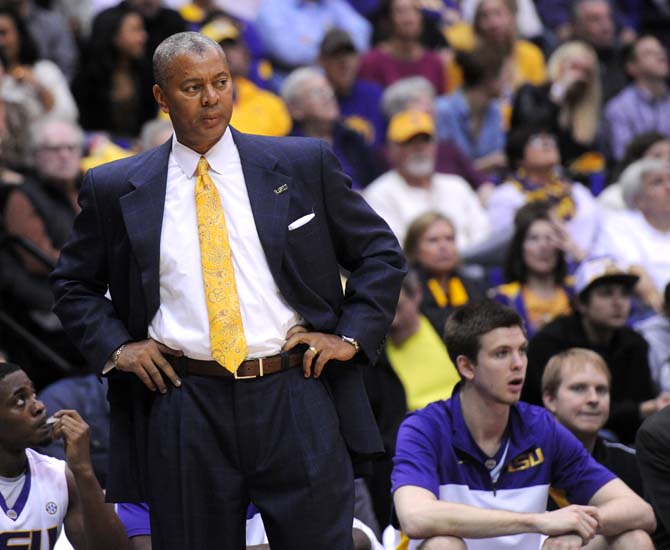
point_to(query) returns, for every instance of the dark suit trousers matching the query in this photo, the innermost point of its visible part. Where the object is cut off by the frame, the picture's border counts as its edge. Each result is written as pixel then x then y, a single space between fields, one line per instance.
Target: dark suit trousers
pixel 217 443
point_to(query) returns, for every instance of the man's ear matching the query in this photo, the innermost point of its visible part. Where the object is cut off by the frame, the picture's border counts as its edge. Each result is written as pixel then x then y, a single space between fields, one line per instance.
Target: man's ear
pixel 159 96
pixel 466 368
pixel 549 402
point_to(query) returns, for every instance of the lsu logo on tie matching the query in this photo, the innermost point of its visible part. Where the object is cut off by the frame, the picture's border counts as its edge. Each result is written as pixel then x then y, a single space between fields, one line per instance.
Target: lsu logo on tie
pixel 527 460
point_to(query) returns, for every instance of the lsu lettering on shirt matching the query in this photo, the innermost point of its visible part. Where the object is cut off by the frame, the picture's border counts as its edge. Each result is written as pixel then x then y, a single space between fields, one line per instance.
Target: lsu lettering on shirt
pixel 32 520
pixel 435 451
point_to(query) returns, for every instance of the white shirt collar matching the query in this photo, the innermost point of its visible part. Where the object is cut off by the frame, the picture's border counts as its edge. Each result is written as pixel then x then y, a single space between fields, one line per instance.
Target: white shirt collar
pixel 221 154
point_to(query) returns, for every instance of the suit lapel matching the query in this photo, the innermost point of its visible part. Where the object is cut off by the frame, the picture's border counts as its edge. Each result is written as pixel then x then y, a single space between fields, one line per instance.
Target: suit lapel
pixel 269 194
pixel 142 211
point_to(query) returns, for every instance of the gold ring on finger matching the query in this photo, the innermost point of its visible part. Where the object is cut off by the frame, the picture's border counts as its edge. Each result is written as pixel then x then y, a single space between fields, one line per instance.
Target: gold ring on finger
pixel 313 350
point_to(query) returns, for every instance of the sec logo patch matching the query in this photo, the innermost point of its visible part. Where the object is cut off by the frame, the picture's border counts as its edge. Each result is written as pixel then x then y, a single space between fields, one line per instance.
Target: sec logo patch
pixel 51 508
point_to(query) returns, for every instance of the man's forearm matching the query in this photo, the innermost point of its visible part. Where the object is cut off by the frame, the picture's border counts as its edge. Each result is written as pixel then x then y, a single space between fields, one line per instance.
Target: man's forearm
pixel 459 520
pixel 102 527
pixel 625 514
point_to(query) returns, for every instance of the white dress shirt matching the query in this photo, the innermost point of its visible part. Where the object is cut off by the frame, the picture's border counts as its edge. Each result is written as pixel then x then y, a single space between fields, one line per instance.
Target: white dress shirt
pixel 181 321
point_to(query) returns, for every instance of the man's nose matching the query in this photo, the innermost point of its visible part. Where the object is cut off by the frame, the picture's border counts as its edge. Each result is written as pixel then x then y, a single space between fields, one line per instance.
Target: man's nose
pixel 209 95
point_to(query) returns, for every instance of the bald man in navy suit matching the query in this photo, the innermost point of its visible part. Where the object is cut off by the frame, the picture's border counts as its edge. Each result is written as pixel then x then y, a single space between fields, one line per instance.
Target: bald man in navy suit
pixel 193 439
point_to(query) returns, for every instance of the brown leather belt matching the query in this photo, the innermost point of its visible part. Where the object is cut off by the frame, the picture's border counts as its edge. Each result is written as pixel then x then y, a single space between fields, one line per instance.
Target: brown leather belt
pixel 251 368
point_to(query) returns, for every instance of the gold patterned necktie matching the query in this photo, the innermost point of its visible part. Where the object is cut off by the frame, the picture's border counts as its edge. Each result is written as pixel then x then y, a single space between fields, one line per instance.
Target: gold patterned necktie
pixel 226 333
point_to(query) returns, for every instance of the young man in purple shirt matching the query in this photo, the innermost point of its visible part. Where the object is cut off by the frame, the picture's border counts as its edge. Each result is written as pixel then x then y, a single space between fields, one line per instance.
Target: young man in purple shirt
pixel 476 469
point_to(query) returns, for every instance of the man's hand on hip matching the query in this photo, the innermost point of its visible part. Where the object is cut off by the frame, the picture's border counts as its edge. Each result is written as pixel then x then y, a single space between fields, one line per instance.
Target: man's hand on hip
pixel 322 348
pixel 145 359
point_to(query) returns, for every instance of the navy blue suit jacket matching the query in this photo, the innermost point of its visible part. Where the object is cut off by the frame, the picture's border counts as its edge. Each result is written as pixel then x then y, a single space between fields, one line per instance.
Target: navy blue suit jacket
pixel 115 246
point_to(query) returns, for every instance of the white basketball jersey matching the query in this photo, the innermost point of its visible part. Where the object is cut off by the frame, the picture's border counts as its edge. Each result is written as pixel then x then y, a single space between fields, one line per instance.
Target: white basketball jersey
pixel 34 521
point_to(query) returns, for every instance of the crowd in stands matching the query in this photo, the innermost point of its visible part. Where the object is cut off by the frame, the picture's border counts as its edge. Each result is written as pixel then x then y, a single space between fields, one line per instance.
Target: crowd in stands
pixel 518 150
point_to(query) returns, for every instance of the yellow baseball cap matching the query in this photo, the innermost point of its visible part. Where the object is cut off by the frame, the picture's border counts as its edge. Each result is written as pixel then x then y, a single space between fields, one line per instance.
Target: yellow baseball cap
pixel 407 124
pixel 221 29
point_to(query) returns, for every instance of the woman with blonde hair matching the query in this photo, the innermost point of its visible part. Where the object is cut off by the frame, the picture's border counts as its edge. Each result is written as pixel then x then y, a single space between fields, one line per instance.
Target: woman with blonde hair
pixel 430 248
pixel 568 105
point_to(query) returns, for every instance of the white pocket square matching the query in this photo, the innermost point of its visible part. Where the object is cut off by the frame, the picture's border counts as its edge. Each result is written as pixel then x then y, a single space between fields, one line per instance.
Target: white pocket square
pixel 301 221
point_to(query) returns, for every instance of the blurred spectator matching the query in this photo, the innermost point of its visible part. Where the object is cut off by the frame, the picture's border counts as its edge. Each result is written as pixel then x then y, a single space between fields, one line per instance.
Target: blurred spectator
pixel 495 29
pixel 576 390
pixel 414 370
pixel 311 102
pixel 646 145
pixel 656 331
pixel 535 269
pixel 593 23
pixel 527 19
pixel 154 133
pixel 644 105
pixel 51 34
pixel 603 301
pixel 535 162
pixel 640 235
pixel 412 187
pixel 359 99
pixel 291 30
pixel 159 23
pixel 255 111
pixel 471 116
pixel 415 93
pixel 41 211
pixel 402 54
pixel 111 89
pixel 15 152
pixel 568 105
pixel 38 84
pixel 430 247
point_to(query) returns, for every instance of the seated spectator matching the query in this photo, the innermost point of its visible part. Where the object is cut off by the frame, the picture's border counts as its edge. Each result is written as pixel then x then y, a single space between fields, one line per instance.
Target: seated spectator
pixel 292 31
pixel 603 301
pixel 402 54
pixel 535 269
pixel 311 102
pixel 592 22
pixel 415 93
pixel 359 99
pixel 527 20
pixel 255 111
pixel 40 494
pixel 576 390
pixel 430 247
pixel 15 153
pixel 412 187
pixel 643 105
pixel 51 33
pixel 471 116
pixel 653 448
pixel 656 331
pixel 413 371
pixel 475 470
pixel 37 84
pixel 640 235
pixel 535 163
pixel 111 89
pixel 495 29
pixel 645 145
pixel 154 133
pixel 41 211
pixel 568 105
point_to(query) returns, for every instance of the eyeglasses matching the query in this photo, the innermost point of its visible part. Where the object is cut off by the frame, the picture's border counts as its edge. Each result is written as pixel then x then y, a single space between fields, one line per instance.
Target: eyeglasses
pixel 67 147
pixel 320 93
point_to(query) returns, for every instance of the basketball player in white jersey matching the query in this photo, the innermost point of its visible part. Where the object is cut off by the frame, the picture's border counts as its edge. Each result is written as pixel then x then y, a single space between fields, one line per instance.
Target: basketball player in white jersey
pixel 39 494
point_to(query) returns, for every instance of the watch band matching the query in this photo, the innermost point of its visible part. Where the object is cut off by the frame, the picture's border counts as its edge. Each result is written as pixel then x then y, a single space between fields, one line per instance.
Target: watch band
pixel 352 341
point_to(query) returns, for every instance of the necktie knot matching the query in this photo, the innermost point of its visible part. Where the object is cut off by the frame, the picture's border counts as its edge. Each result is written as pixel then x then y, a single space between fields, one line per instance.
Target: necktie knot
pixel 203 167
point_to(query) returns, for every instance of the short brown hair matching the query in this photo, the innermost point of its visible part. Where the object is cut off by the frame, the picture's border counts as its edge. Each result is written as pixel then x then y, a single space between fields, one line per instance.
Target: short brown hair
pixel 416 230
pixel 552 377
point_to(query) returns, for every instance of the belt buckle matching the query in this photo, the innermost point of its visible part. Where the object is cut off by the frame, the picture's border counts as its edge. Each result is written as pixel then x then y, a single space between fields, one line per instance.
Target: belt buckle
pixel 260 375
